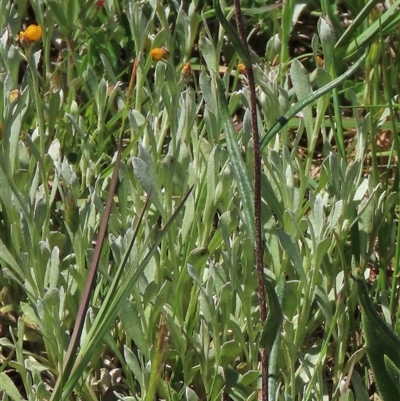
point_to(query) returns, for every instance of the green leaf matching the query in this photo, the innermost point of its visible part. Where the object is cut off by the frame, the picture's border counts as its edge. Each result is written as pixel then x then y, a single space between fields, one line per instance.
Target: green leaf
pixel 289 245
pixel 190 395
pixel 207 91
pixel 274 317
pixel 71 10
pixel 134 365
pixel 382 346
pixel 188 217
pixel 59 12
pixel 6 256
pixel 130 319
pixel 327 37
pixel 145 174
pixel 208 51
pixel 282 121
pixel 138 23
pixel 269 195
pixel 234 388
pixel 230 349
pixel 197 258
pixel 250 378
pixel 9 388
pixel 393 370
pixel 360 391
pixel 244 183
pixel 115 299
pixel 302 88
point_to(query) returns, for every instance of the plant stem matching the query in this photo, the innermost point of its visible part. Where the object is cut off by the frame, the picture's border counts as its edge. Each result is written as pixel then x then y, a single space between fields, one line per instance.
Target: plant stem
pixel 257 193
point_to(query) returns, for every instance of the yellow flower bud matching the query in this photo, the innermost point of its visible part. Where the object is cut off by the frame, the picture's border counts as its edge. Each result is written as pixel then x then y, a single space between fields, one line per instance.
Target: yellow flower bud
pixel 14 94
pixel 31 34
pixel 242 68
pixel 186 69
pixel 159 53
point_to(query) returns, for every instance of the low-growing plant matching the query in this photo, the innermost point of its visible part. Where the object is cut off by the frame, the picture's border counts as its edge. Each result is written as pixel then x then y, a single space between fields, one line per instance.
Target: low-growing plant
pixel 129 203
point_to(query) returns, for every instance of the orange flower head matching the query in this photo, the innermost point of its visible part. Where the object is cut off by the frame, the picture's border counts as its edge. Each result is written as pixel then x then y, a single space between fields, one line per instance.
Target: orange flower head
pixel 159 53
pixel 186 69
pixel 242 68
pixel 320 61
pixel 31 34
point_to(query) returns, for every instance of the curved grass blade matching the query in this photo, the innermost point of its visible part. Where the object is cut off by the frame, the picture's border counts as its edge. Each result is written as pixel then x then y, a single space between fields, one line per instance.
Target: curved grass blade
pixel 384 23
pixel 309 99
pixel 114 302
pixel 232 34
pixel 349 33
pixel 80 318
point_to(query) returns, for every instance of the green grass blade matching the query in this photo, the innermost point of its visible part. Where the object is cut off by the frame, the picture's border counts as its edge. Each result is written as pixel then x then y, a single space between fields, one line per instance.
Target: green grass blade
pixel 232 34
pixel 370 34
pixel 349 34
pixel 90 282
pixel 309 99
pixel 112 305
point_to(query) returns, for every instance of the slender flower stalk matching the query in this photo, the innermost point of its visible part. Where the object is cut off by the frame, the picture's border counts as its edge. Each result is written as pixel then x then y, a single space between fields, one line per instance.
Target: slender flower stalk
pixel 259 251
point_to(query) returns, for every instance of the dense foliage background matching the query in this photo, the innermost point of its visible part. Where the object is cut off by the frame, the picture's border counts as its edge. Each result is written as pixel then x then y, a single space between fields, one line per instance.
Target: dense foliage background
pixel 173 313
